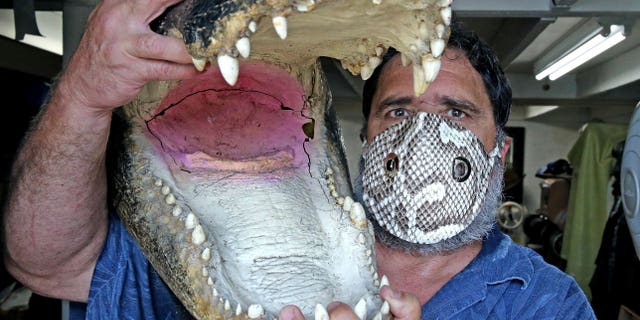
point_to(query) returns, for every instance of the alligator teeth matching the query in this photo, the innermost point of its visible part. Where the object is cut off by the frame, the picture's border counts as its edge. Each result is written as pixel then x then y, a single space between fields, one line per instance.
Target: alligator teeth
pixel 404 59
pixel 445 13
pixel 431 66
pixel 376 1
pixel 176 211
pixel 361 309
pixel 445 3
pixel 437 47
pixel 253 26
pixel 158 183
pixel 229 68
pixel 357 215
pixel 244 47
pixel 379 51
pixel 197 235
pixel 206 254
pixel 280 24
pixel 191 221
pixel 374 62
pixel 321 313
pixel 215 292
pixel 385 308
pixel 209 281
pixel 165 190
pixel 440 28
pixel 348 202
pixel 255 311
pixel 199 63
pixel 419 84
pixel 170 199
pixel 366 72
pixel 239 310
pixel 378 316
pixel 205 272
pixel 227 305
pixel 384 281
pixel 305 6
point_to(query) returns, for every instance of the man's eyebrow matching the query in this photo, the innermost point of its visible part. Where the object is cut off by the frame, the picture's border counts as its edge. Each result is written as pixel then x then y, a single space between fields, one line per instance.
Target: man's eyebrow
pixel 394 101
pixel 461 104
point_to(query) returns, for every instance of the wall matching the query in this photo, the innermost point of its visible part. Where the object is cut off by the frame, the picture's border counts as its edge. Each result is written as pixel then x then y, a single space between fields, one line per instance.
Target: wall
pixel 544 143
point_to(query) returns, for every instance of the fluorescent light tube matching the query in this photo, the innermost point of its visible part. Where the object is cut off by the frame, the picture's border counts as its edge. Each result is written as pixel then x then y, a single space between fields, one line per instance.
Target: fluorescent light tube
pixel 585 52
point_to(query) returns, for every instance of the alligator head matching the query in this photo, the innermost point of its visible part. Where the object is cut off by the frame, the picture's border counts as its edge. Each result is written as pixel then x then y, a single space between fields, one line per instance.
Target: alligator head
pixel 235 182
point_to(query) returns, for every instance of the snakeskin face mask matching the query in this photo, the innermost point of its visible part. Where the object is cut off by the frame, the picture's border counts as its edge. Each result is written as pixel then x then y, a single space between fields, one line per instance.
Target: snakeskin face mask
pixel 425 178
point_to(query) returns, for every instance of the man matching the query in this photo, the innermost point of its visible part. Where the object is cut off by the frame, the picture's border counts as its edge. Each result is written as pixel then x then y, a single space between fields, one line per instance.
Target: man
pixel 478 273
pixel 55 239
pixel 56 231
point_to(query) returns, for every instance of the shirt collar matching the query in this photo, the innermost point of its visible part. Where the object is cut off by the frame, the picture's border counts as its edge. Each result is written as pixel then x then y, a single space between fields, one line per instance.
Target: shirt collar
pixel 500 260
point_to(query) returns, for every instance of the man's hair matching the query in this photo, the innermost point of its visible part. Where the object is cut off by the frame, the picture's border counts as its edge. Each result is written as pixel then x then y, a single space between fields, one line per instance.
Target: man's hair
pixel 483 60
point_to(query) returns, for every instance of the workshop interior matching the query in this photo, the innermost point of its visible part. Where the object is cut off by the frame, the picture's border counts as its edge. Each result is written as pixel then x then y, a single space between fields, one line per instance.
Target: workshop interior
pixel 572 173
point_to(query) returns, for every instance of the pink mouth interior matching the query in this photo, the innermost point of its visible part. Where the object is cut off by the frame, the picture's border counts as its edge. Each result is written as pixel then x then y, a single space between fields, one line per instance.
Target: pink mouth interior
pixel 254 126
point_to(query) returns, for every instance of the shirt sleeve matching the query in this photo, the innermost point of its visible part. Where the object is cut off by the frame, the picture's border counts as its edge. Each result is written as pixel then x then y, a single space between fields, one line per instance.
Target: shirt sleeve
pixel 125 285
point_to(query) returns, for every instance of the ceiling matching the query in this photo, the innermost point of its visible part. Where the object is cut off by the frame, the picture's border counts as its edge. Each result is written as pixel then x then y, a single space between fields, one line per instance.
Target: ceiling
pixel 524 34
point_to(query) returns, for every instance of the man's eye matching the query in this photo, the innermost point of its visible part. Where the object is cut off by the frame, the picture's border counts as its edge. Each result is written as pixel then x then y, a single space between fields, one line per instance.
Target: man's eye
pixel 456 114
pixel 399 113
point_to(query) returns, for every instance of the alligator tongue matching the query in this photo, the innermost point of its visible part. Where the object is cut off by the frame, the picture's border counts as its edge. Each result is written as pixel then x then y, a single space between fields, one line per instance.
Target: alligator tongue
pixel 235 182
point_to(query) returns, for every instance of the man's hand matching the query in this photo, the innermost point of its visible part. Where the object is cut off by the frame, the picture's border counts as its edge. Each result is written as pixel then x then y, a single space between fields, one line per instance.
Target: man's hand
pixel 56 215
pixel 119 53
pixel 403 306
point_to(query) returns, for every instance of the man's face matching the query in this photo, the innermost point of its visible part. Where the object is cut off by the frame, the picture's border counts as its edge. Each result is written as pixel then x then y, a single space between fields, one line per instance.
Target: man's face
pixel 457 93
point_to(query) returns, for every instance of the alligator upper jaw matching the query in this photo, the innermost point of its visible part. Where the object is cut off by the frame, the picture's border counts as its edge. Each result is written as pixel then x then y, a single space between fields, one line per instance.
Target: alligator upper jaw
pixel 295 32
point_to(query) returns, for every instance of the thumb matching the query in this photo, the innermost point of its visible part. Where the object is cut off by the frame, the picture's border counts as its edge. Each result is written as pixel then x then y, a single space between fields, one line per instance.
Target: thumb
pixel 403 305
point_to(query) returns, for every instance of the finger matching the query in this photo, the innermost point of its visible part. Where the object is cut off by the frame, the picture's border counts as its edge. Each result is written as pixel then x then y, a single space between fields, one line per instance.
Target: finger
pixel 403 305
pixel 290 313
pixel 341 311
pixel 158 47
pixel 161 70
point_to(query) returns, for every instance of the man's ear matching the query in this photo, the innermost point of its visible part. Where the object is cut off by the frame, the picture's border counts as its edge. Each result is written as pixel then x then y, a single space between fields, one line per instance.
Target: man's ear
pixel 505 148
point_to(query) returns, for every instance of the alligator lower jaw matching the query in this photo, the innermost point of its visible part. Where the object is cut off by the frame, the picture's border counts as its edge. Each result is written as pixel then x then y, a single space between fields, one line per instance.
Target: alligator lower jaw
pixel 239 194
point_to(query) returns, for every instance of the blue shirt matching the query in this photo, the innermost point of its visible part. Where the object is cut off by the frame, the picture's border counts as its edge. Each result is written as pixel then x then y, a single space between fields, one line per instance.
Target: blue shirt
pixel 505 281
pixel 508 281
pixel 125 285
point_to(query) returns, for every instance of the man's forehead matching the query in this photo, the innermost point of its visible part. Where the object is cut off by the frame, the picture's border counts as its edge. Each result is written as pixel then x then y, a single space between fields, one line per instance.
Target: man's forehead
pixel 457 80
